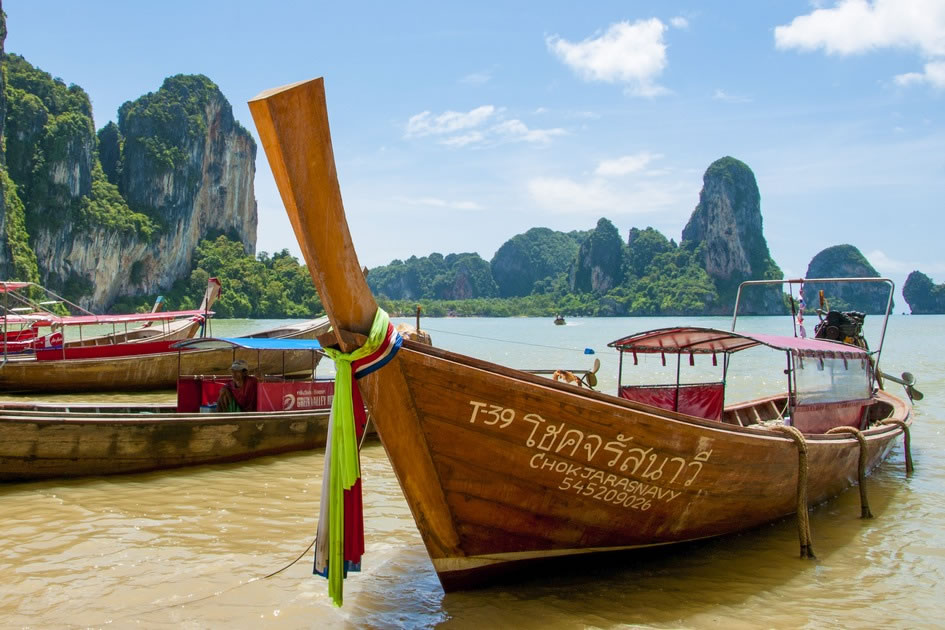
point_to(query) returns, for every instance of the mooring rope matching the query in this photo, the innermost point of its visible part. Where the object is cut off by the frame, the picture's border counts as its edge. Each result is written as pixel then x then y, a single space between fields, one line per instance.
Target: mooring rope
pixel 512 341
pixel 861 468
pixel 803 517
pixel 253 579
pixel 905 441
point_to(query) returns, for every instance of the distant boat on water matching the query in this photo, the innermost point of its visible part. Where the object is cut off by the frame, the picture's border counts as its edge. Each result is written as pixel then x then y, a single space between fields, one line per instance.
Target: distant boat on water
pixel 559 320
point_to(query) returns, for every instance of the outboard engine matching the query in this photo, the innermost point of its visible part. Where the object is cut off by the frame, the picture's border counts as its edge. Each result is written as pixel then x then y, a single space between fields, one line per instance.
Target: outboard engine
pixel 842 326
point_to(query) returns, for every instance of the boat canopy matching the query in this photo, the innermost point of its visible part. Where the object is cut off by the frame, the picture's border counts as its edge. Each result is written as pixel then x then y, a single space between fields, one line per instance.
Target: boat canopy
pixel 694 340
pixel 13 286
pixel 46 319
pixel 249 343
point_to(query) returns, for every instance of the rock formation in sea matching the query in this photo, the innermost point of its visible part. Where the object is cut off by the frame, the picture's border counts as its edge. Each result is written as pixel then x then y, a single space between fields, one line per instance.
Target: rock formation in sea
pixel 533 257
pixel 922 295
pixel 119 213
pixel 845 261
pixel 453 277
pixel 727 224
pixel 599 265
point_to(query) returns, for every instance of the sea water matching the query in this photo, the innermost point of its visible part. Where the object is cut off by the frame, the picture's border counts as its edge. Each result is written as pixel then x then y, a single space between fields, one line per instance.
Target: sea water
pixel 190 548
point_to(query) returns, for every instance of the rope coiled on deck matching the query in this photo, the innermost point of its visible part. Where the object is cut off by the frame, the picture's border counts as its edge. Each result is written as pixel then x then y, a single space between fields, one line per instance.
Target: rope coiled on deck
pixel 803 517
pixel 861 468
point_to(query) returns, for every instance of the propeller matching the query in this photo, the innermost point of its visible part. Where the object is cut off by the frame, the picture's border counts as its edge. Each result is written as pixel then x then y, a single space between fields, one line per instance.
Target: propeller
pixel 907 381
pixel 590 377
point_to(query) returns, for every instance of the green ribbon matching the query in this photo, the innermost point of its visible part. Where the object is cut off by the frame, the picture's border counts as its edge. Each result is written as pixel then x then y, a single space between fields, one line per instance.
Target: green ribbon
pixel 344 466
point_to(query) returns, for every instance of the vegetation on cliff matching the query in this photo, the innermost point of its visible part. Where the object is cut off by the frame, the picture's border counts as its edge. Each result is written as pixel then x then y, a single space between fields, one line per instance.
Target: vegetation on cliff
pixel 527 263
pixel 923 296
pixel 51 157
pixel 592 273
pixel 258 287
pixel 22 258
pixel 845 261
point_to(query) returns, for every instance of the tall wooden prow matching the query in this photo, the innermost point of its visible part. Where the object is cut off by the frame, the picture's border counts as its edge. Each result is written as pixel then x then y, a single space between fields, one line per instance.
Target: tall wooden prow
pixel 293 125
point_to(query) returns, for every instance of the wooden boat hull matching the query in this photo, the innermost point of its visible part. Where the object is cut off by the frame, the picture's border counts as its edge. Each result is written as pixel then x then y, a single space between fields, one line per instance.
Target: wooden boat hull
pixel 153 371
pixel 508 468
pixel 138 372
pixel 50 444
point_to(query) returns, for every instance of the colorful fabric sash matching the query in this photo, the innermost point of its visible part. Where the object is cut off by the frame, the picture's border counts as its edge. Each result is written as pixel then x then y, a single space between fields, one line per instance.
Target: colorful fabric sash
pixel 340 538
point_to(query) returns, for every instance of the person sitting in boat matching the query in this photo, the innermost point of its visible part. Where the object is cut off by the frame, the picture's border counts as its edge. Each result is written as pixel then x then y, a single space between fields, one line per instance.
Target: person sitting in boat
pixel 240 393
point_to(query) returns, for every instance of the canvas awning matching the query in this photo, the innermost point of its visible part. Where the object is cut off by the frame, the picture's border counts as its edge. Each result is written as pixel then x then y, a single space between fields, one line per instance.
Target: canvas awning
pixel 249 343
pixel 694 340
pixel 45 319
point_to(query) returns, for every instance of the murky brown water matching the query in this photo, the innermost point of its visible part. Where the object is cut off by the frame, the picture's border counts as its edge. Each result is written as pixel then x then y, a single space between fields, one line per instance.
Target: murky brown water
pixel 190 548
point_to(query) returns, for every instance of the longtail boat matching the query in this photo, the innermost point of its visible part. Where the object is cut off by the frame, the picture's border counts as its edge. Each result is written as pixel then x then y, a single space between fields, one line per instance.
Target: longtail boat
pixel 142 365
pixel 30 325
pixel 42 440
pixel 501 467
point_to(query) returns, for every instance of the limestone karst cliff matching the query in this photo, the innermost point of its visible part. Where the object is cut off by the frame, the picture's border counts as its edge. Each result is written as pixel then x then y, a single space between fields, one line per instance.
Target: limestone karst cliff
pixel 599 265
pixel 923 296
pixel 845 261
pixel 727 223
pixel 119 213
pixel 530 258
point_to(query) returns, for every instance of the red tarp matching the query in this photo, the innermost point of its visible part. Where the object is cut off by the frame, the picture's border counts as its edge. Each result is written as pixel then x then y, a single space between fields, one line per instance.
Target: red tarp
pixel 702 400
pixel 104 351
pixel 45 319
pixel 820 418
pixel 192 393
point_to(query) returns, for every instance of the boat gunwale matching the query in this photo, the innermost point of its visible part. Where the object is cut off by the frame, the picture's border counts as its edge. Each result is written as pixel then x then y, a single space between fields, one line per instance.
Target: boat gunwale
pixel 875 431
pixel 68 417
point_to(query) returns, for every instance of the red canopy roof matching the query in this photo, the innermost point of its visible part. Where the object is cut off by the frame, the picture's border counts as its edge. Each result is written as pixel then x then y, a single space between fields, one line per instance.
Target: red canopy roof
pixel 45 319
pixel 710 340
pixel 13 286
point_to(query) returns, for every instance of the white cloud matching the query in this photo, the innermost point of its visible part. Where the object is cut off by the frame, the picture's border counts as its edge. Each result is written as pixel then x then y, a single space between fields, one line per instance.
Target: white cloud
pixel 722 95
pixel 631 53
pixel 856 26
pixel 626 164
pixel 476 128
pixel 933 74
pixel 436 202
pixel 885 264
pixel 516 130
pixel 476 78
pixel 473 137
pixel 564 195
pixel 679 22
pixel 425 124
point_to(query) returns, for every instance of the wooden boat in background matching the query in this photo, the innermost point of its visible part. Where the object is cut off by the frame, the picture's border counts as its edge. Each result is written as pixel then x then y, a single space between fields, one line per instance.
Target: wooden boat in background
pixel 501 467
pixel 144 365
pixel 50 440
pixel 24 325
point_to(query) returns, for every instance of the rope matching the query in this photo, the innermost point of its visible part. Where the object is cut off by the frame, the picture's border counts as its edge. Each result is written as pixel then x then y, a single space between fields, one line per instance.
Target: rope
pixel 861 468
pixel 905 441
pixel 803 517
pixel 521 343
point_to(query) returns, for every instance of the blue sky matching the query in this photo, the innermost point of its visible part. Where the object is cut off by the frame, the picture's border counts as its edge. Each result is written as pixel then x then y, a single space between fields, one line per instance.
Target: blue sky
pixel 459 125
